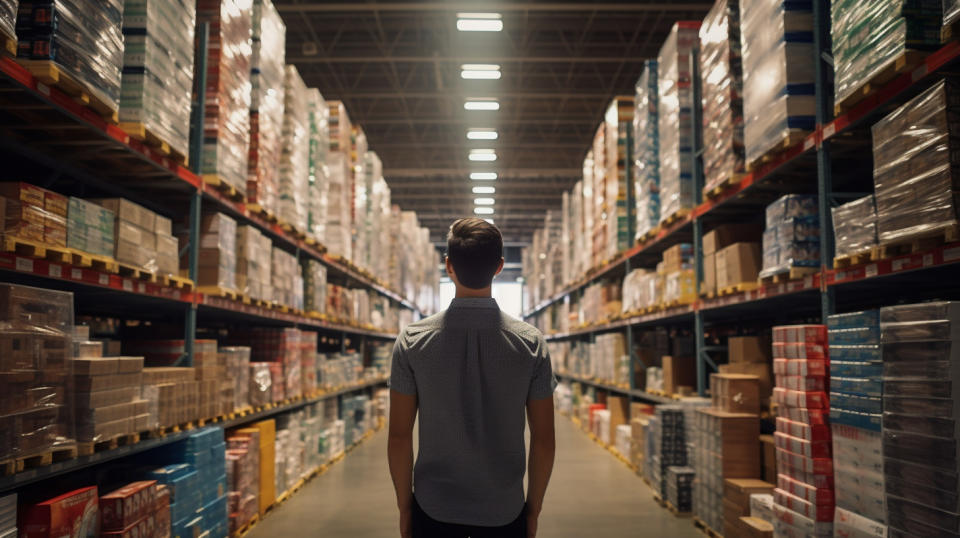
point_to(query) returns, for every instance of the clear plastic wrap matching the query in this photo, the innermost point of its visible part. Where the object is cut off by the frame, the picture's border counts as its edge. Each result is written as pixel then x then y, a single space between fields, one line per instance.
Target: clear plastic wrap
pixel 292 184
pixel 217 256
pixel 284 274
pixel 308 362
pixel 778 72
pixel 792 236
pixel 870 36
pixel 617 121
pixel 81 37
pixel 337 237
pixel 261 391
pixel 675 96
pixel 158 68
pixel 951 12
pixel 8 17
pixel 855 226
pixel 318 183
pixel 913 170
pixel 237 360
pixel 226 125
pixel 646 149
pixel 721 72
pixel 315 286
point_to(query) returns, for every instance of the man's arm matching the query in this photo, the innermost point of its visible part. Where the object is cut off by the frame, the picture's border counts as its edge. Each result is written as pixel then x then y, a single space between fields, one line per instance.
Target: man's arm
pixel 542 448
pixel 403 412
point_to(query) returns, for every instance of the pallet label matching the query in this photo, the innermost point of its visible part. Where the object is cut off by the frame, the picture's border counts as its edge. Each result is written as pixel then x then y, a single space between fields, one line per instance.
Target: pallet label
pixel 176 295
pixel 808 281
pixel 928 259
pixel 871 270
pixel 829 130
pixel 950 254
pixel 142 288
pixel 899 264
pixel 23 264
pixel 127 285
pixel 55 271
pixel 76 274
pixel 104 280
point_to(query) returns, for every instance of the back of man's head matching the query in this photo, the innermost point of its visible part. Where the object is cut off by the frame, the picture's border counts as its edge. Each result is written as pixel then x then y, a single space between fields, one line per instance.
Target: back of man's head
pixel 475 248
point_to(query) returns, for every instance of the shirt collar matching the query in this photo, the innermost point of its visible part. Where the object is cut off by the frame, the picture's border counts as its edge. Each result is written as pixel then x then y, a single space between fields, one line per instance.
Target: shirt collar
pixel 474 302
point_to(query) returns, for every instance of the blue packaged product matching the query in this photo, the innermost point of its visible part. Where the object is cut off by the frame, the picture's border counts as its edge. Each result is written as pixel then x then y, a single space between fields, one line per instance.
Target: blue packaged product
pixel 872 370
pixel 851 320
pixel 790 206
pixel 795 229
pixel 854 336
pixel 851 353
pixel 853 402
pixel 866 421
pixel 860 386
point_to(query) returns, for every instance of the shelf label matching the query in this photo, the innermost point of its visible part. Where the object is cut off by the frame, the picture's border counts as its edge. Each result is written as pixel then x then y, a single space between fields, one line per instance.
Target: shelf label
pixel 928 259
pixel 870 270
pixel 76 274
pixel 55 271
pixel 900 263
pixel 127 285
pixel 950 254
pixel 781 289
pixel 176 294
pixel 829 130
pixel 142 288
pixel 808 281
pixel 23 264
pixel 103 279
pixel 807 143
pixel 840 275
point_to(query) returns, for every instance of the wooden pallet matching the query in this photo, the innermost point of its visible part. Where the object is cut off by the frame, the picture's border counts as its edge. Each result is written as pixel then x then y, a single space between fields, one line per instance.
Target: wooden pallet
pixel 217 291
pixel 794 273
pixel 47 72
pixel 58 254
pixel 89 448
pixel 228 190
pixel 857 258
pixel 96 262
pixel 677 215
pixel 723 186
pixel 137 273
pixel 173 281
pixel 918 243
pixel 737 288
pixel 139 131
pixel 700 524
pixel 787 142
pixel 37 459
pixel 908 60
pixel 651 233
pixel 246 527
pixel 257 209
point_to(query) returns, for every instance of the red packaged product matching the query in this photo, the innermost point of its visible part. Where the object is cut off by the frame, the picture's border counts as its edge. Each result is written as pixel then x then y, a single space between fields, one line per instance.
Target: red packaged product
pixel 809 449
pixel 71 515
pixel 816 512
pixel 801 383
pixel 802 367
pixel 122 508
pixel 805 491
pixel 817 432
pixel 795 398
pixel 813 417
pixel 789 462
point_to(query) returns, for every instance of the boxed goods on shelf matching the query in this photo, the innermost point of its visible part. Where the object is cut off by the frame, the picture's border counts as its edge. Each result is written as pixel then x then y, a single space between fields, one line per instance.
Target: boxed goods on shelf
pixel 646 150
pixel 137 238
pixel 265 434
pixel 721 72
pixel 226 131
pixel 308 362
pixel 869 38
pixel 778 74
pixel 90 227
pixel 158 70
pixel 675 96
pixel 268 50
pixel 317 177
pixel 804 499
pixel 107 401
pixel 282 348
pixel 716 240
pixel 139 508
pixel 680 488
pixel 737 493
pixel 919 348
pixel 287 282
pixel 737 264
pixel 913 172
pixel 669 441
pixel 34 350
pixel 855 226
pixel 735 393
pixel 243 476
pixel 339 194
pixel 314 286
pixel 75 513
pixel 254 263
pixel 616 122
pixel 8 18
pixel 237 362
pixel 951 12
pixel 8 515
pixel 217 255
pixel 292 181
pixel 82 39
pixel 33 214
pixel 792 235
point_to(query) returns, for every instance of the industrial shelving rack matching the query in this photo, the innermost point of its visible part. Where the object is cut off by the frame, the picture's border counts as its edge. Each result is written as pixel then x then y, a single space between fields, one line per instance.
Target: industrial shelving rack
pixel 807 166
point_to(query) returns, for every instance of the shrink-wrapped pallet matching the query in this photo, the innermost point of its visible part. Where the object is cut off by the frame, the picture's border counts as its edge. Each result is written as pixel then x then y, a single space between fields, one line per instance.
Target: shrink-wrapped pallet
pixel 646 150
pixel 292 186
pixel 266 105
pixel 317 175
pixel 855 226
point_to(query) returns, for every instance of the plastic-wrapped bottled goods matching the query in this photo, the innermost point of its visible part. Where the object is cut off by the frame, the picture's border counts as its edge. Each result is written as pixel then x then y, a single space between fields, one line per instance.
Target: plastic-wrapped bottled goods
pixel 158 69
pixel 226 124
pixel 778 73
pixel 913 166
pixel 254 263
pixel 217 261
pixel 855 226
pixel 646 149
pixel 721 72
pixel 237 361
pixel 285 274
pixel 292 181
pixel 8 18
pixel 82 38
pixel 317 182
pixel 314 286
pixel 951 12
pixel 868 37
pixel 617 121
pixel 675 95
pixel 792 234
pixel 268 46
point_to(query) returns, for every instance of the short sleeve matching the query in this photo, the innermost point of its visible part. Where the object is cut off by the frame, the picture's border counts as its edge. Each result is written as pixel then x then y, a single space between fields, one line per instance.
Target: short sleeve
pixel 401 375
pixel 543 382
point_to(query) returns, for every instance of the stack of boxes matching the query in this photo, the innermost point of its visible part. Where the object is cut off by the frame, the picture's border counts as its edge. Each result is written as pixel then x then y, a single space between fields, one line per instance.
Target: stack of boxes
pixel 90 227
pixel 670 443
pixel 855 226
pixel 243 477
pixel 34 350
pixel 286 280
pixel 919 347
pixel 804 498
pixel 750 355
pixel 856 405
pixel 317 180
pixel 737 496
pixel 107 401
pixel 8 516
pixel 292 193
pixel 675 96
pixel 261 384
pixel 143 238
pixel 340 190
pixel 171 395
pixel 680 488
pixel 308 362
pixel 778 73
pixel 226 131
pixel 157 75
pixel 717 240
pixel 646 150
pixel 196 477
pixel 280 347
pixel 137 509
pixel 208 392
pixel 217 256
pixel 679 278
pixel 617 122
pixel 721 70
pixel 82 38
pixel 237 362
pixel 792 235
pixel 266 104
pixel 25 214
pixel 74 513
pixel 913 166
pixel 254 263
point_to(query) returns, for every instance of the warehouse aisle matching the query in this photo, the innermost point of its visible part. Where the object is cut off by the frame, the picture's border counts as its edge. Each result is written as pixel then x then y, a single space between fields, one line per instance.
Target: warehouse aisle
pixel 591 494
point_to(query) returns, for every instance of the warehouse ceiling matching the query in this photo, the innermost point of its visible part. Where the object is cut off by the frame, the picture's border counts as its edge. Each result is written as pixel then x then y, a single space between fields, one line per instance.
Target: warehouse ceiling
pixel 397 66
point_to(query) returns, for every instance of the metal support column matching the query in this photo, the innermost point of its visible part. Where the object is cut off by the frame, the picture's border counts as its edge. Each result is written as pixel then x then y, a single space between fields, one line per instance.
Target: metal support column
pixel 824 98
pixel 696 114
pixel 196 156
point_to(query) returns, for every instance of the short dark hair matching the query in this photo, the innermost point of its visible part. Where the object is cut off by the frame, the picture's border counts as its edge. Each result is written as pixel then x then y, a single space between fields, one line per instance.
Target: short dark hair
pixel 475 248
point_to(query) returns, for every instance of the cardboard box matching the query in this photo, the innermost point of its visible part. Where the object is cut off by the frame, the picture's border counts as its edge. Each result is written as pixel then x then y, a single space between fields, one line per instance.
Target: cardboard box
pixel 736 393
pixel 748 349
pixel 162 225
pixel 753 527
pixel 709 284
pixel 769 451
pixel 739 490
pixel 738 263
pixel 728 234
pixel 735 435
pixel 130 212
pixel 619 413
pixel 760 370
pixel 268 434
pixel 71 515
pixel 122 508
pixel 678 372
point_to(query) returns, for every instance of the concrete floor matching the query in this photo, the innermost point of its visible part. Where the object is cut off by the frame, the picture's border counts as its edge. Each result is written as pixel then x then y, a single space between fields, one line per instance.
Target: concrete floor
pixel 591 494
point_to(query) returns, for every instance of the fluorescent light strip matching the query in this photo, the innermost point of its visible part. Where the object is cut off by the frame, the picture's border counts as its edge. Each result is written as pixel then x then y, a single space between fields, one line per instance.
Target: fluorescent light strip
pixel 484 190
pixel 483 211
pixel 479 22
pixel 483 201
pixel 480 75
pixel 483 176
pixel 481 134
pixel 481 103
pixel 482 155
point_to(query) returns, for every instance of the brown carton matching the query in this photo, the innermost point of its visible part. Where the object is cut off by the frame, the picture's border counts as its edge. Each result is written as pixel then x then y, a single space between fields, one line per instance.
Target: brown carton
pixel 760 370
pixel 738 491
pixel 709 284
pixel 748 349
pixel 619 414
pixel 768 449
pixel 754 527
pixel 678 372
pixel 736 393
pixel 738 263
pixel 728 234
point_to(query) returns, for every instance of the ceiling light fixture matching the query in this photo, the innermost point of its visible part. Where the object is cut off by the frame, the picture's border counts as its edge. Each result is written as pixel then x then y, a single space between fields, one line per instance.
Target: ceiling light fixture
pixel 483 176
pixel 483 211
pixel 480 71
pixel 476 133
pixel 483 201
pixel 481 103
pixel 479 22
pixel 484 190
pixel 482 155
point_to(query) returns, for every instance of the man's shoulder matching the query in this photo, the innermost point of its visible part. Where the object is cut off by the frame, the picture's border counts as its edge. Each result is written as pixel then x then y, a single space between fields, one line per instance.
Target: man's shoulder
pixel 427 324
pixel 522 329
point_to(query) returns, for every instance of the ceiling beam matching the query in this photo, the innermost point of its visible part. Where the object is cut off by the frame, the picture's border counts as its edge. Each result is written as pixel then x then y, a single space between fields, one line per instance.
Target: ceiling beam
pixel 503 173
pixel 386 94
pixel 346 7
pixel 469 144
pixel 300 60
pixel 445 120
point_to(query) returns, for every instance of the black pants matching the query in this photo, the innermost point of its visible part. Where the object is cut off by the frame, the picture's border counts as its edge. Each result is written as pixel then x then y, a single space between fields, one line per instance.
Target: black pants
pixel 426 527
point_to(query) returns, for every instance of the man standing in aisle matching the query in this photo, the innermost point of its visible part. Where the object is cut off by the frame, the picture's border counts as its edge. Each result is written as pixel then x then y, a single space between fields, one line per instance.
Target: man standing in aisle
pixel 472 372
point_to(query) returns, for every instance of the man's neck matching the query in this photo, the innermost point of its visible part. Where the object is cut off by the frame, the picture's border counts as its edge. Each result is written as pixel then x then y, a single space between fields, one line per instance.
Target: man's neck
pixel 468 293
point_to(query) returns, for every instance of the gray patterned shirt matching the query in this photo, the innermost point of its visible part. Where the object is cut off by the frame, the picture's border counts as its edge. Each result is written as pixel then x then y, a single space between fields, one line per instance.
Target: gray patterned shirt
pixel 473 369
